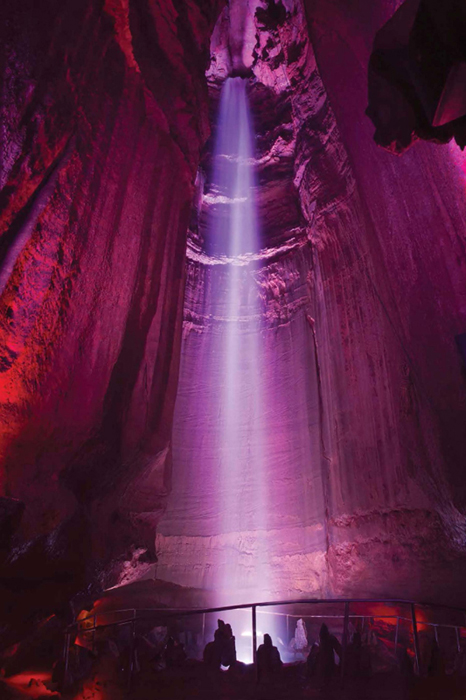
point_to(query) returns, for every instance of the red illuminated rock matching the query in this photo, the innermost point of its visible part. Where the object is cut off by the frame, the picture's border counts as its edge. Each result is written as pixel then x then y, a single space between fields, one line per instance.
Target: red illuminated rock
pixel 104 111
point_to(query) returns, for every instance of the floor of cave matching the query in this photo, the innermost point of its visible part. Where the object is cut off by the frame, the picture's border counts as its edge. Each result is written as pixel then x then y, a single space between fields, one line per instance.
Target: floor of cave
pixel 193 680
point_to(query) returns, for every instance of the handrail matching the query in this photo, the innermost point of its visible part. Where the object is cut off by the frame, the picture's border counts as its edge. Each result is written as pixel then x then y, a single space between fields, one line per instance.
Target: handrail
pixel 173 612
pixel 255 608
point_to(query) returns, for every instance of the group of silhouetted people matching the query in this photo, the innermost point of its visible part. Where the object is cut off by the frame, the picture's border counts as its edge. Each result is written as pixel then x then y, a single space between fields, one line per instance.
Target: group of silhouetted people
pixel 321 663
pixel 222 651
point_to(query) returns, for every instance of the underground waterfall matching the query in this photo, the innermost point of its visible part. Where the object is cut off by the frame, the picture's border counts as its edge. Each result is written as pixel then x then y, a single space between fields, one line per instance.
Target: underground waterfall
pixel 234 471
pixel 241 461
pixel 245 520
pixel 232 359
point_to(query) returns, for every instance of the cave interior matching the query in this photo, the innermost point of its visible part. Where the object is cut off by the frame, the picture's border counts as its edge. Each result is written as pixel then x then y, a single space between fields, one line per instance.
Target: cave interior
pixel 121 347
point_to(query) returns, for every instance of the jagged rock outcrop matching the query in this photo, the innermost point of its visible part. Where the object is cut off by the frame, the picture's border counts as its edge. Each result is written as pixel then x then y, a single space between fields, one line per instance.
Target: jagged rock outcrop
pixel 417 75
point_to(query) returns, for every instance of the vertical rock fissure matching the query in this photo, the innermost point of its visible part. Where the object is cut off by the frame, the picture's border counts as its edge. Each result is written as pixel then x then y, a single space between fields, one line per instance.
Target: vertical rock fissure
pixel 326 461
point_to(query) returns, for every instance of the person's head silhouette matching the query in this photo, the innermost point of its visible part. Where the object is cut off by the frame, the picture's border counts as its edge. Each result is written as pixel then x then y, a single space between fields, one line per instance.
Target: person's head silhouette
pixel 324 633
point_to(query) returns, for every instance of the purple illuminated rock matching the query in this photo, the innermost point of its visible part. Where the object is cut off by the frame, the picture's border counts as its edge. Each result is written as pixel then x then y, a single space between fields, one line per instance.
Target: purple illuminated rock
pixel 417 75
pixel 361 304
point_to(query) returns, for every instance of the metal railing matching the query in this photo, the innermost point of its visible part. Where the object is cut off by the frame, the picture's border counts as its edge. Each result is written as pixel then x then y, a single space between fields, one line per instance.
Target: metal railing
pixel 132 615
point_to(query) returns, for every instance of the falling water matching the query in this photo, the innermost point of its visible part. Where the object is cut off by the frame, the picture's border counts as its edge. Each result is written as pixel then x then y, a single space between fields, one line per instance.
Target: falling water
pixel 216 531
pixel 242 440
pixel 246 510
pixel 233 175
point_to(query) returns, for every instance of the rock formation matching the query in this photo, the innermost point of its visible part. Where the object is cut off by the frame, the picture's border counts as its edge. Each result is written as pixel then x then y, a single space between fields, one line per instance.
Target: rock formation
pixel 417 75
pixel 413 234
pixel 104 114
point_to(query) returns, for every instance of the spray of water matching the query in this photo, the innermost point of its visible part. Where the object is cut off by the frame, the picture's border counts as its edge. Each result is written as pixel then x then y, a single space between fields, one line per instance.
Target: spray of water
pixel 242 476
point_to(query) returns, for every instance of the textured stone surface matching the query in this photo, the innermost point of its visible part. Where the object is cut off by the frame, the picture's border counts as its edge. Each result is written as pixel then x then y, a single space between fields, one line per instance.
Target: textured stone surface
pixel 192 543
pixel 104 112
pixel 195 545
pixel 395 396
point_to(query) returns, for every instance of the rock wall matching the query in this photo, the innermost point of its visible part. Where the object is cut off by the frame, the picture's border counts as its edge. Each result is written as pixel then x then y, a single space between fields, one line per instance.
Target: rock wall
pixel 396 417
pixel 104 113
pixel 283 554
pixel 200 542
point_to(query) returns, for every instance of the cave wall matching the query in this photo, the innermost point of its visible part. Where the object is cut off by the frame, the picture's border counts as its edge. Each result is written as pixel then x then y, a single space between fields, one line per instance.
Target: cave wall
pixel 282 553
pixel 104 114
pixel 215 533
pixel 396 421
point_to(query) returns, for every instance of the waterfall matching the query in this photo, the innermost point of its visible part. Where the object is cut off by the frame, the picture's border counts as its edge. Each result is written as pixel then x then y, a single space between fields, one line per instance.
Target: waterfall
pixel 241 478
pixel 238 522
pixel 241 455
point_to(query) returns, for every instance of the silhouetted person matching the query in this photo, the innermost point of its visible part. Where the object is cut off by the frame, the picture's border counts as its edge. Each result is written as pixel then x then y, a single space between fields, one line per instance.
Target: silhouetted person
pixel 175 654
pixel 228 656
pixel 406 664
pixel 268 658
pixel 211 655
pixel 222 651
pixel 406 672
pixel 220 632
pixel 311 660
pixel 321 660
pixel 354 656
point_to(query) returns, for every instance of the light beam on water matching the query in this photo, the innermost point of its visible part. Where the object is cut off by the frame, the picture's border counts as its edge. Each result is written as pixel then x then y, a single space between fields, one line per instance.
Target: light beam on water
pixel 242 441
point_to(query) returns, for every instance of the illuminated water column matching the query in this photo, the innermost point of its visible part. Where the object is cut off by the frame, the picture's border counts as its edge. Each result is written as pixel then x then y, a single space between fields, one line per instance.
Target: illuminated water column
pixel 242 438
pixel 245 515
